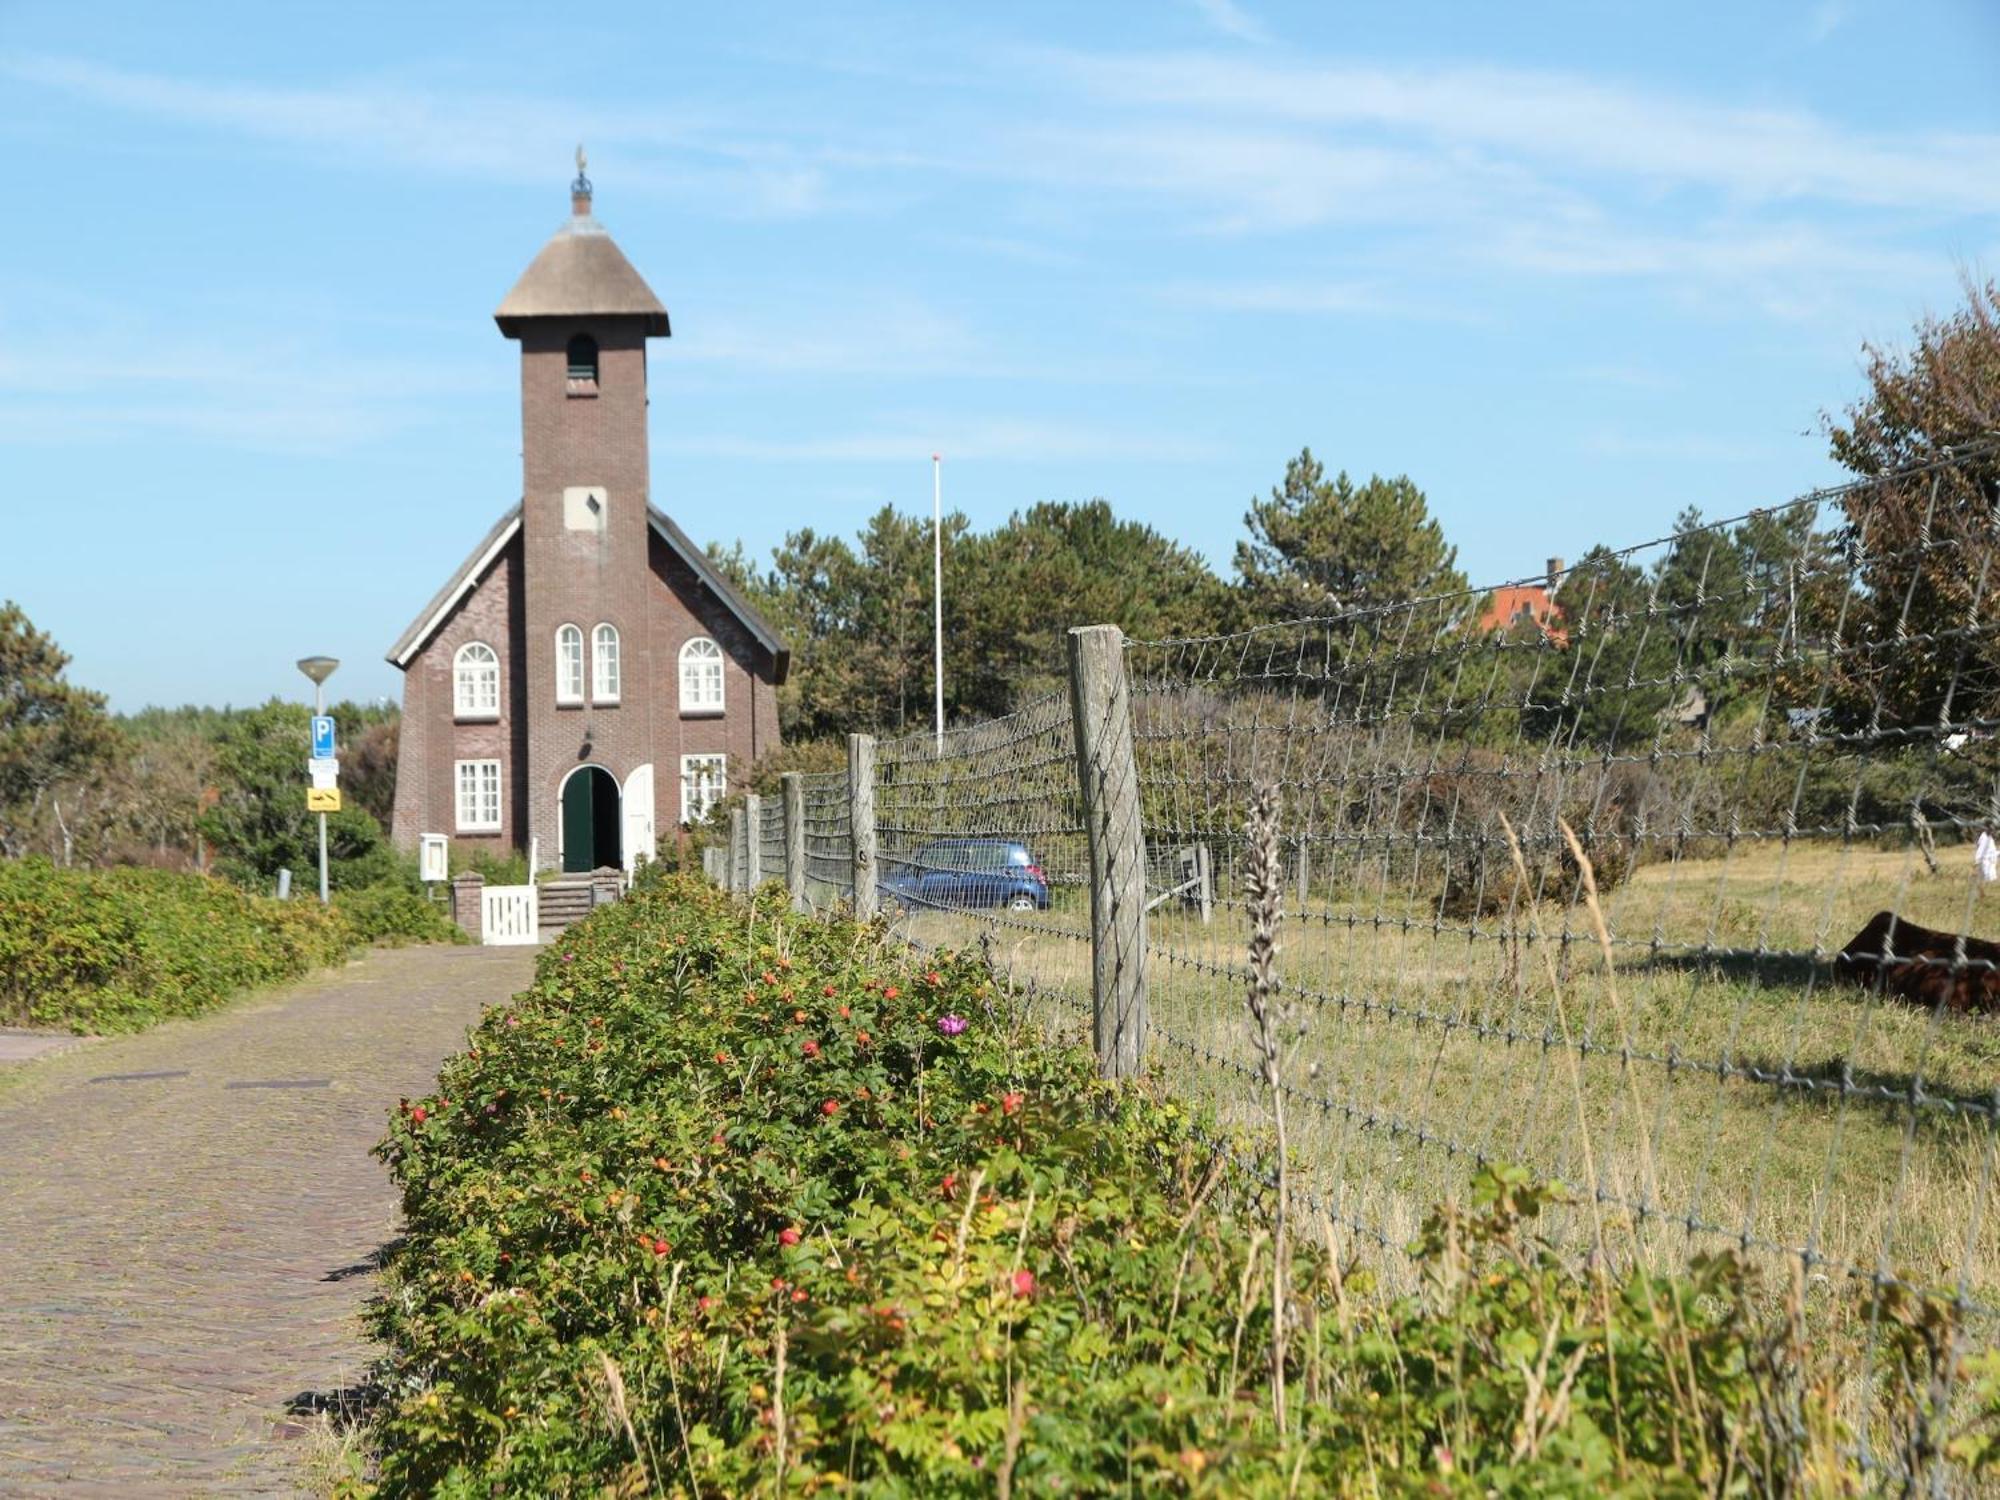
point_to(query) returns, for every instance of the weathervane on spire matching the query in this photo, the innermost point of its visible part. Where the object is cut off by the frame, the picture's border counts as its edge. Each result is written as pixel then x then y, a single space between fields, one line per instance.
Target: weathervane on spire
pixel 579 191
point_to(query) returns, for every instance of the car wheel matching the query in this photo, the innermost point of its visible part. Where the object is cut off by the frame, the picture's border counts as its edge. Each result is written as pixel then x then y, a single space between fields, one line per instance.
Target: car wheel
pixel 1022 901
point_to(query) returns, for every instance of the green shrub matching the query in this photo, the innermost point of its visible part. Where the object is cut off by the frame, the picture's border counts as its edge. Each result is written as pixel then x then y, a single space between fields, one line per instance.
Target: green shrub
pixel 725 1205
pixel 118 949
pixel 395 915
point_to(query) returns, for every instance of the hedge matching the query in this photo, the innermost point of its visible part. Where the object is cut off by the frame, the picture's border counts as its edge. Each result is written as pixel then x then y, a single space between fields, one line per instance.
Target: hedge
pixel 120 949
pixel 737 1202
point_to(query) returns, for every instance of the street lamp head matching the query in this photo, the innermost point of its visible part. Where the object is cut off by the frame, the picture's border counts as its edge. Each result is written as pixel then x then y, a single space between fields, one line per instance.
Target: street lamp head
pixel 318 668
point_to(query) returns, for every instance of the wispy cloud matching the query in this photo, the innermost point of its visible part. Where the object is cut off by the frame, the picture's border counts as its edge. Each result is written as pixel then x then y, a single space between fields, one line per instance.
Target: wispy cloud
pixel 1569 123
pixel 487 134
pixel 1827 18
pixel 1229 18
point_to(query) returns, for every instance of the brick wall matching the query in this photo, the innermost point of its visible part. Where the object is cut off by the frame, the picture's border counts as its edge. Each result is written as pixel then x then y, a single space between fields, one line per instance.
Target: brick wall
pixel 551 575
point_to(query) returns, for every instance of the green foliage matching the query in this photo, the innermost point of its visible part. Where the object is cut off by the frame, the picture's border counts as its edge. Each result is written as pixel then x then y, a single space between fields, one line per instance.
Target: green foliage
pixel 719 1208
pixel 259 823
pixel 116 950
pixel 1326 547
pixel 1922 613
pixel 859 614
pixel 49 727
pixel 393 915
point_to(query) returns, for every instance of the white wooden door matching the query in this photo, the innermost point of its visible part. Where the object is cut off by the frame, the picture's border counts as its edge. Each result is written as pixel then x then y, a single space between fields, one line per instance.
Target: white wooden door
pixel 509 914
pixel 638 805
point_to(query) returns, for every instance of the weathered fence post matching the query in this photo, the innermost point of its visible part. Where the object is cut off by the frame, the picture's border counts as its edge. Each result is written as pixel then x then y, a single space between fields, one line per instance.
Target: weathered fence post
pixel 753 841
pixel 861 820
pixel 1107 775
pixel 794 784
pixel 736 865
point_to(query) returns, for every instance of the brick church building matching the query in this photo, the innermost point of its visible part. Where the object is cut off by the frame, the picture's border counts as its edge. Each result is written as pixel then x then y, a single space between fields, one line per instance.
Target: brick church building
pixel 587 679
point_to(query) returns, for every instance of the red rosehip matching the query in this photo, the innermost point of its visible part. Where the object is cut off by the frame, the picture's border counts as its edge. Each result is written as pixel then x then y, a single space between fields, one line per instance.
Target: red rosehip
pixel 661 1247
pixel 798 1294
pixel 1009 1103
pixel 417 1115
pixel 827 990
pixel 845 1013
pixel 788 1236
pixel 704 1303
pixel 810 1049
pixel 831 1107
pixel 1024 1283
pixel 890 992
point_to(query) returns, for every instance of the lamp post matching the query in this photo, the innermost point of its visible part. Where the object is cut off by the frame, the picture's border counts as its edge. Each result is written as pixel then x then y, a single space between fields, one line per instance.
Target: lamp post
pixel 319 668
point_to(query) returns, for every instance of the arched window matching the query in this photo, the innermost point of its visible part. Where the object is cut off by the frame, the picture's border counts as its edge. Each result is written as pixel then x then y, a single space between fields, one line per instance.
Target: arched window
pixel 475 682
pixel 582 364
pixel 701 677
pixel 569 665
pixel 604 664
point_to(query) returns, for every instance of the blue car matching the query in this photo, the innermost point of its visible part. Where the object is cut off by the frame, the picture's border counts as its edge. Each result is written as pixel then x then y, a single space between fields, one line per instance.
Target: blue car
pixel 968 873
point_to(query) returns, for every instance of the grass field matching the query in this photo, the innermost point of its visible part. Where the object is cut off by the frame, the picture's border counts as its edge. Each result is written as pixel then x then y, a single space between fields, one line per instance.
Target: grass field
pixel 1708 1087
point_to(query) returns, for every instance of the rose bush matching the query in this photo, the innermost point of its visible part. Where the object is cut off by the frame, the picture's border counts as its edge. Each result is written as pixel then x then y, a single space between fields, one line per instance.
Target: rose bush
pixel 722 1206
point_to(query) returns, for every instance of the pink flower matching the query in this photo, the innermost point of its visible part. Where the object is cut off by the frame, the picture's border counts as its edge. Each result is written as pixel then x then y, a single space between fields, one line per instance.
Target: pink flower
pixel 1009 1103
pixel 951 1025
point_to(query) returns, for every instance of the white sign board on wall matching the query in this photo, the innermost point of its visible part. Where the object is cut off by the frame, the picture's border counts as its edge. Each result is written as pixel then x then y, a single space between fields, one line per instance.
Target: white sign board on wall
pixel 433 857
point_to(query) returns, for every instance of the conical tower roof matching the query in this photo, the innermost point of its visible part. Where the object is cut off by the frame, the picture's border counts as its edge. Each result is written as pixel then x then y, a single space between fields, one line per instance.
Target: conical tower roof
pixel 581 273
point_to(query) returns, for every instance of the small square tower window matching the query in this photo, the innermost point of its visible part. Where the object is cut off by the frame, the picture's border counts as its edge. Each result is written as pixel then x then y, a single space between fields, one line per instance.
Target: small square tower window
pixel 584 507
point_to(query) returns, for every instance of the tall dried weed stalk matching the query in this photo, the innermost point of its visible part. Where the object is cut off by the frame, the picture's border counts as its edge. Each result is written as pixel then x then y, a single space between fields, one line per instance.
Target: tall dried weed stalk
pixel 1264 889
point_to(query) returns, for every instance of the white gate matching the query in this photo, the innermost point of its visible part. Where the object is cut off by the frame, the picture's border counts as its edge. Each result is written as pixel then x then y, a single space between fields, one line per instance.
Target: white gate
pixel 509 914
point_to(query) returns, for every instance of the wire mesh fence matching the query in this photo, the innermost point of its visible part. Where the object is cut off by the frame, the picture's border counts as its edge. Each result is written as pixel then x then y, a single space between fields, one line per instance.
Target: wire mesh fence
pixel 980 842
pixel 1663 877
pixel 770 836
pixel 829 834
pixel 1672 894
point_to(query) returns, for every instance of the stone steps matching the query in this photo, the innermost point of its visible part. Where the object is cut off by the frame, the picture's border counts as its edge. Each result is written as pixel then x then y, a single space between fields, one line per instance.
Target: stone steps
pixel 567 899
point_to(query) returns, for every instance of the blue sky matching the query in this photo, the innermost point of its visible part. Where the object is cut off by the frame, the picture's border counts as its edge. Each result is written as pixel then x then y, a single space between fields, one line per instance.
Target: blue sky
pixel 1569 266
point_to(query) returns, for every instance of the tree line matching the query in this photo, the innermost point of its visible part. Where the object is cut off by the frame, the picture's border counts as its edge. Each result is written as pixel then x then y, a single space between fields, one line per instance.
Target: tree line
pixel 1899 573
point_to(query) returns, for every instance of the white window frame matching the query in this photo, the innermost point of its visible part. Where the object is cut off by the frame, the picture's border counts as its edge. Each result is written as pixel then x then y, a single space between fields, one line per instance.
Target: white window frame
pixel 467 677
pixel 604 664
pixel 689 765
pixel 701 701
pixel 476 789
pixel 569 664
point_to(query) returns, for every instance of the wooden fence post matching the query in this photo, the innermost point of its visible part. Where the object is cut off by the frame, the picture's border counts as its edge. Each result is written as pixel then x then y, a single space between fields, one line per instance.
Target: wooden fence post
pixel 794 784
pixel 1107 775
pixel 861 820
pixel 736 866
pixel 753 841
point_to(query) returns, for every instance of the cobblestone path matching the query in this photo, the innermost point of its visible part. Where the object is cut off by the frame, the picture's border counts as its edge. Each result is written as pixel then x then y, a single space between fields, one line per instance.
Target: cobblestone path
pixel 188 1219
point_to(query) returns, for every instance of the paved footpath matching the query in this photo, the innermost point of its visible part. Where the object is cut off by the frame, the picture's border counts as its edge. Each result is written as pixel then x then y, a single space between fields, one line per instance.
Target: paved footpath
pixel 188 1219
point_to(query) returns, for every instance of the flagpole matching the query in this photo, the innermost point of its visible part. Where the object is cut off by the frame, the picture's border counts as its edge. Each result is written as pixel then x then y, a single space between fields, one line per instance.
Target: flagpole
pixel 937 591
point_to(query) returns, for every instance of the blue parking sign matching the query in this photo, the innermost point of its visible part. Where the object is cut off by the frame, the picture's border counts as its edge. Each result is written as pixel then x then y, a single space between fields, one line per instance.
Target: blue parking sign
pixel 323 736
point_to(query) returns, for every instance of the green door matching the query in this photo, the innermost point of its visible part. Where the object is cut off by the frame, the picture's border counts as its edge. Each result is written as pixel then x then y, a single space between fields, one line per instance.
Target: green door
pixel 579 851
pixel 590 816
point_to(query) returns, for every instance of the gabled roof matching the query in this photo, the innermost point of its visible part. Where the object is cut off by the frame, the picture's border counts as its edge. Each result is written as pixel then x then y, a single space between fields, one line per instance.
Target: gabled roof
pixel 446 599
pixel 508 526
pixel 581 273
pixel 718 584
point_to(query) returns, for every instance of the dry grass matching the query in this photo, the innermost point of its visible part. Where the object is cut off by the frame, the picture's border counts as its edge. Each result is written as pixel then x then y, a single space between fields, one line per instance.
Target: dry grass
pixel 1426 1049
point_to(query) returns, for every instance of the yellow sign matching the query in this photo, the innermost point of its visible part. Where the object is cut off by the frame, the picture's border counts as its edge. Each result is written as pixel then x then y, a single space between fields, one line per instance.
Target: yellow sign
pixel 323 799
